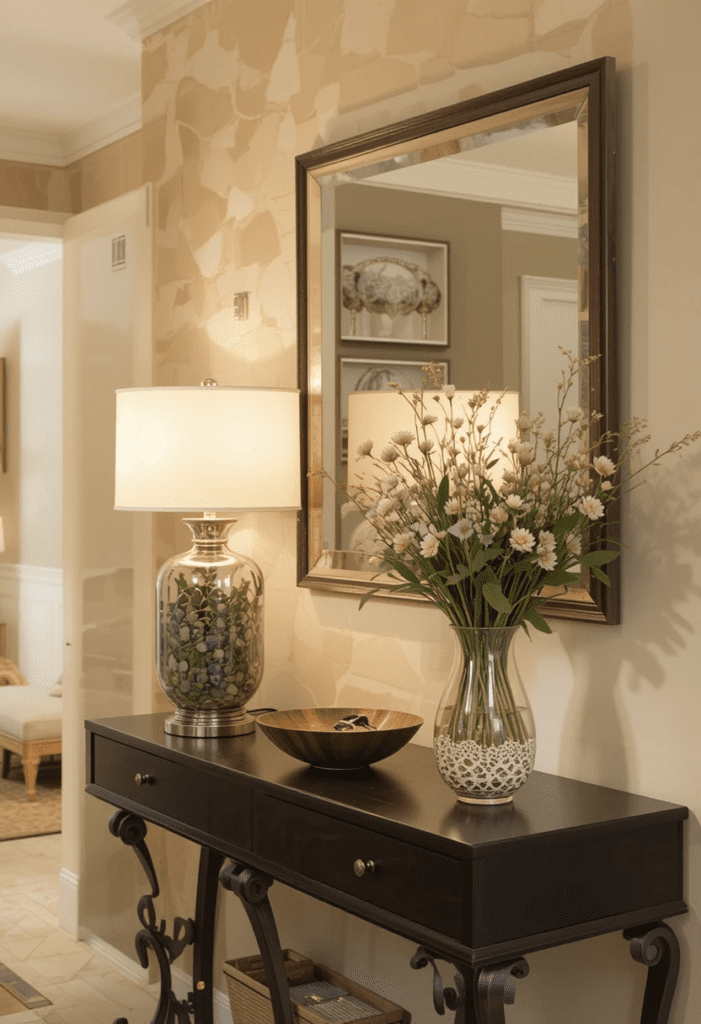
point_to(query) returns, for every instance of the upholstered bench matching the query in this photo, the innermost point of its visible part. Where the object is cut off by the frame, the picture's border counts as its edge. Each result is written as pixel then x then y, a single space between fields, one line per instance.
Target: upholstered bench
pixel 30 723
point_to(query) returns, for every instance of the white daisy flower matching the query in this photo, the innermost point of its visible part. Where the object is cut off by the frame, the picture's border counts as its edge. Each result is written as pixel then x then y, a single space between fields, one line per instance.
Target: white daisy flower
pixel 590 506
pixel 347 508
pixel 364 448
pixel 389 453
pixel 402 437
pixel 462 529
pixel 452 506
pixel 574 544
pixel 514 502
pixel 499 515
pixel 401 542
pixel 606 485
pixel 574 414
pixel 426 445
pixel 546 541
pixel 449 390
pixel 428 418
pixel 546 560
pixel 389 483
pixel 458 422
pixel 522 540
pixel 603 465
pixel 429 546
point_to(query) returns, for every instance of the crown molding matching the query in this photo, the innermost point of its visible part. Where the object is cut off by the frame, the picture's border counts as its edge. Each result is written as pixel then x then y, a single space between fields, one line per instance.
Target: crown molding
pixel 61 150
pixel 539 222
pixel 117 123
pixel 31 148
pixel 141 18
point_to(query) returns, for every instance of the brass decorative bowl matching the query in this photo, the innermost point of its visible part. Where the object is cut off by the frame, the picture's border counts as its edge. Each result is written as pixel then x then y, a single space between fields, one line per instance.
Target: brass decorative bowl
pixel 340 738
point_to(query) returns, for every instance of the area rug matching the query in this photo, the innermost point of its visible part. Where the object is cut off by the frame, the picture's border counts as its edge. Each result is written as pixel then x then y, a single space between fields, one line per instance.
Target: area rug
pixel 20 818
pixel 16 995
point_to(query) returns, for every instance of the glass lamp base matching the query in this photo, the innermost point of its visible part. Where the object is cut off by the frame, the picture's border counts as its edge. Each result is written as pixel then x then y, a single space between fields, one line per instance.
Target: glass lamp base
pixel 209 723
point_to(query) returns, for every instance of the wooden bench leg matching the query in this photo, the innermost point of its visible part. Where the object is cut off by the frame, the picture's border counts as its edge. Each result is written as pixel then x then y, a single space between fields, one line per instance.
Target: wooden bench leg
pixel 30 764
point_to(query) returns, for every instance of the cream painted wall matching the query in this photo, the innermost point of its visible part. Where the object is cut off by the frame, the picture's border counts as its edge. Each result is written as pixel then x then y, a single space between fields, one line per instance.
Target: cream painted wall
pixel 229 98
pixel 30 341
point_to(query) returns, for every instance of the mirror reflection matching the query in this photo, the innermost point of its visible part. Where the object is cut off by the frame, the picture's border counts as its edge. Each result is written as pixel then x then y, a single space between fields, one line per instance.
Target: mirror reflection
pixel 466 249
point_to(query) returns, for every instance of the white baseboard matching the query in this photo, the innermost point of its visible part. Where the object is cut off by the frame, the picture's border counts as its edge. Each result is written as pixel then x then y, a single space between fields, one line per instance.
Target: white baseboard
pixel 68 902
pixel 182 984
pixel 116 959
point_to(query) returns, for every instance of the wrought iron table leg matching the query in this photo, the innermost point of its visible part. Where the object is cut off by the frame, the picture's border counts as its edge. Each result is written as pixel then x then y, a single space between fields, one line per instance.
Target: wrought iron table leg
pixel 656 947
pixel 252 889
pixel 169 1010
pixel 480 993
pixel 203 952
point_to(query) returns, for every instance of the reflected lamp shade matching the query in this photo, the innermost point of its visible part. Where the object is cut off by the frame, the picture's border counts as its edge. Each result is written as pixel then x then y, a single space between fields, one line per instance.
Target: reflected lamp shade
pixel 206 449
pixel 377 415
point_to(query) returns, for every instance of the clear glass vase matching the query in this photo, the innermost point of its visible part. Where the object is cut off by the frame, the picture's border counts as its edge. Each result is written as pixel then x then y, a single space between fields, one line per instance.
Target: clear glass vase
pixel 484 736
pixel 209 648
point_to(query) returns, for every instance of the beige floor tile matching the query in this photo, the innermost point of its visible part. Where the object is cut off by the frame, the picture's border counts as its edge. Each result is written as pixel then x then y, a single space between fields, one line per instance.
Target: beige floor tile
pixel 82 987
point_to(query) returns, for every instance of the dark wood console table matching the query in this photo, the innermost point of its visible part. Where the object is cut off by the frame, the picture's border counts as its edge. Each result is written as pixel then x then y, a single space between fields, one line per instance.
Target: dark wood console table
pixel 479 888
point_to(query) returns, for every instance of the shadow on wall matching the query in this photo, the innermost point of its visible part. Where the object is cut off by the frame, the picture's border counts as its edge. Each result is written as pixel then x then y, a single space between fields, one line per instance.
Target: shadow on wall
pixel 662 543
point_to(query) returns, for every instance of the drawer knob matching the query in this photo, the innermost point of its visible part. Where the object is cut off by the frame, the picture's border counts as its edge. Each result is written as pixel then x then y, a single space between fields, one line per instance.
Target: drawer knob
pixel 142 780
pixel 362 866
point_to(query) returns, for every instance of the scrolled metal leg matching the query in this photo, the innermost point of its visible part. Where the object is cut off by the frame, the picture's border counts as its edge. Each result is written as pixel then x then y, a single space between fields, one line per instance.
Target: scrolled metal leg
pixel 252 889
pixel 453 998
pixel 169 1010
pixel 496 988
pixel 656 947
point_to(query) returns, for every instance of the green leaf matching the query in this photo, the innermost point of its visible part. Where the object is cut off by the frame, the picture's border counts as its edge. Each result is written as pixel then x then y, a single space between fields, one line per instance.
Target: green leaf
pixel 559 578
pixel 452 579
pixel 406 572
pixel 567 523
pixel 494 596
pixel 443 493
pixel 484 556
pixel 366 597
pixel 592 558
pixel 601 576
pixel 536 619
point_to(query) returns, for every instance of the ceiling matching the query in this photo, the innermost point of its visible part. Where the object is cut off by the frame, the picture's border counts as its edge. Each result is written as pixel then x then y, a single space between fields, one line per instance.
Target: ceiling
pixel 70 73
pixel 63 64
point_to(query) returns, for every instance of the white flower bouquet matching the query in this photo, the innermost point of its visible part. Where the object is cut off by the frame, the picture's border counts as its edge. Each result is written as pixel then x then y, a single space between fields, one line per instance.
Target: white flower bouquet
pixel 482 548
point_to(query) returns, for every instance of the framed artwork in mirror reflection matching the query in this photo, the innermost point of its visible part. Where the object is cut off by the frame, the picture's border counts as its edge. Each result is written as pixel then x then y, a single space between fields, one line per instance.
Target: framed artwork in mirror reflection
pixel 392 290
pixel 378 375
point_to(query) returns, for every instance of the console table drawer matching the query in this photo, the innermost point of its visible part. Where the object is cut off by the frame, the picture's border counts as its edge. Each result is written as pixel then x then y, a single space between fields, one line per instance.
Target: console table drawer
pixel 399 877
pixel 165 786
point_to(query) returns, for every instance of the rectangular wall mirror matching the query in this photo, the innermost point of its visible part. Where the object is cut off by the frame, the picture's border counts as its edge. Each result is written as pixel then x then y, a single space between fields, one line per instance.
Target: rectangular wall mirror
pixel 502 207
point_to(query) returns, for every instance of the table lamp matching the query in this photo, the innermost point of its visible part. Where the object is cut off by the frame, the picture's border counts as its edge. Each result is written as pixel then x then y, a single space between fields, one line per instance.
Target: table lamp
pixel 207 449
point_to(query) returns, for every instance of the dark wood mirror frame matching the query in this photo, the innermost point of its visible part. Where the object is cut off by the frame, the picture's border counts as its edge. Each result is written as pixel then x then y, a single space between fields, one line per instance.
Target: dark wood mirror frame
pixel 594 602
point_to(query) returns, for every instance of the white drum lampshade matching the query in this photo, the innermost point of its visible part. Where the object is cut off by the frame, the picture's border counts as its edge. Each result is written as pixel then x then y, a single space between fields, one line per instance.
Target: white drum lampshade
pixel 208 449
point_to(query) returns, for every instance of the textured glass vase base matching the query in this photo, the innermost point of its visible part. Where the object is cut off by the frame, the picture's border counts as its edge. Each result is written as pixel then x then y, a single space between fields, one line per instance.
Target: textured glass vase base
pixel 209 724
pixel 486 801
pixel 484 775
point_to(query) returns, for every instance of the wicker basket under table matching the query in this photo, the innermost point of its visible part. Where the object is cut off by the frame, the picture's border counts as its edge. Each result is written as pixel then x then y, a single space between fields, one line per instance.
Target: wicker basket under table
pixel 250 998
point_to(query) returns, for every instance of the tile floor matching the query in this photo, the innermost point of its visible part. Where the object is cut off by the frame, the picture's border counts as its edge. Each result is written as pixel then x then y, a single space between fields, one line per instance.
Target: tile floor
pixel 82 988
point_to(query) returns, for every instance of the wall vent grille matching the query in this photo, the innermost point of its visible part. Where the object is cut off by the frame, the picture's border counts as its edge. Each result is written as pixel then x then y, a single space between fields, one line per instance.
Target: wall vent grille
pixel 119 252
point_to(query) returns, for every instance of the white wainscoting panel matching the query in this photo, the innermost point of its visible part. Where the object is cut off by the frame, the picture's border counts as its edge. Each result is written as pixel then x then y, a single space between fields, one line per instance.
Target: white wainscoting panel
pixel 31 606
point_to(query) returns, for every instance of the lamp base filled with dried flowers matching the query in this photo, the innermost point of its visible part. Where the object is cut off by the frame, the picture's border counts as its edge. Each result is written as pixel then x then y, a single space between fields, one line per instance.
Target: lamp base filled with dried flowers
pixel 210 634
pixel 484 737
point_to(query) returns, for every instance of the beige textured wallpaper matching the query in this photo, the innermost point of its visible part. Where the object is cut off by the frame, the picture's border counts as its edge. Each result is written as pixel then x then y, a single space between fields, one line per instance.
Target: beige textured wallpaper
pixel 102 175
pixel 230 94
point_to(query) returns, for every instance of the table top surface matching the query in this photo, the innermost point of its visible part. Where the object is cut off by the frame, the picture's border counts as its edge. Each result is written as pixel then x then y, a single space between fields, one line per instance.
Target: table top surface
pixel 404 789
